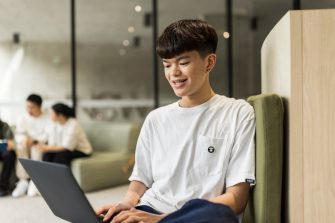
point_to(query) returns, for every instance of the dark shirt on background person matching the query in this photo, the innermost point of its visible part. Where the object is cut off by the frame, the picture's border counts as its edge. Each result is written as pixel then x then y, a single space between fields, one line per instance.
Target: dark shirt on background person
pixel 7 157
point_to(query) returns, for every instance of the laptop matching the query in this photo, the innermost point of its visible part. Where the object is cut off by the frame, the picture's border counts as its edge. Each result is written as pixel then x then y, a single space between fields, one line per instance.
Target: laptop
pixel 61 191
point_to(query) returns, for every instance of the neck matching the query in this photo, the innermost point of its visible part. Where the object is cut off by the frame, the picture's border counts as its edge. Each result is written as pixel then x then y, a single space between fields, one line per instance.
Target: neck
pixel 62 120
pixel 194 100
pixel 38 114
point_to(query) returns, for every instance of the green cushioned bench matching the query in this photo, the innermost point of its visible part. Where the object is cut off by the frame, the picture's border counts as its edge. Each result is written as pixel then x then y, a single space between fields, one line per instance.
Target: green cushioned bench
pixel 264 205
pixel 113 145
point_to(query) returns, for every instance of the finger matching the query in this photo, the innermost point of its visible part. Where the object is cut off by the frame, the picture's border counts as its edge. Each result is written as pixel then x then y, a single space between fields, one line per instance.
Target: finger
pixel 104 208
pixel 123 215
pixel 132 219
pixel 110 214
pixel 100 210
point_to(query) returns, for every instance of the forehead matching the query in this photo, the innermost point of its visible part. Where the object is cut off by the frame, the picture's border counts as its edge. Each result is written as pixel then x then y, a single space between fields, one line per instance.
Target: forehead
pixel 186 55
pixel 31 104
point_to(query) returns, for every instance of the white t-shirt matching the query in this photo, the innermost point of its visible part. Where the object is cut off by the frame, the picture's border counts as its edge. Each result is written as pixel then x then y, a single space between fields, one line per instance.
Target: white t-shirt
pixel 188 153
pixel 34 127
pixel 69 135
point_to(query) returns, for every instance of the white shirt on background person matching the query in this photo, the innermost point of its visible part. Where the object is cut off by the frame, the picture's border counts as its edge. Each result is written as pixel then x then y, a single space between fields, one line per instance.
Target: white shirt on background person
pixel 69 135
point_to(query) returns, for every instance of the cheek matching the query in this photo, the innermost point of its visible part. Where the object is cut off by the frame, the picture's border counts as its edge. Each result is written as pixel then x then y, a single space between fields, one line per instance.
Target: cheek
pixel 53 117
pixel 35 110
pixel 167 76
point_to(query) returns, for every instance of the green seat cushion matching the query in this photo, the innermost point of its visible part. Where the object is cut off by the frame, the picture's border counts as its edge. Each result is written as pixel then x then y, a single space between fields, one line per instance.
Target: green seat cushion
pixel 100 170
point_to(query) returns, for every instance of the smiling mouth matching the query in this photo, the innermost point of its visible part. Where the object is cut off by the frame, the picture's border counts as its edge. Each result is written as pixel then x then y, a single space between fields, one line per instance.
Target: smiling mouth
pixel 179 81
pixel 178 84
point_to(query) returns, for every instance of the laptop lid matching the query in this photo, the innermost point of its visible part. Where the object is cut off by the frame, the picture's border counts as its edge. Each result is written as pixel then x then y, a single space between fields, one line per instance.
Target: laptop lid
pixel 60 190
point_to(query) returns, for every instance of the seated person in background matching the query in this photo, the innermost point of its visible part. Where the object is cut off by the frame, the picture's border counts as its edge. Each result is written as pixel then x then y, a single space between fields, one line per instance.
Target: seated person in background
pixel 7 156
pixel 194 158
pixel 30 130
pixel 66 138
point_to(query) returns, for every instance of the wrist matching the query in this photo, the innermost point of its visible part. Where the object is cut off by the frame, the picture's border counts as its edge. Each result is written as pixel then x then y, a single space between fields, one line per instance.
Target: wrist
pixel 129 202
pixel 132 198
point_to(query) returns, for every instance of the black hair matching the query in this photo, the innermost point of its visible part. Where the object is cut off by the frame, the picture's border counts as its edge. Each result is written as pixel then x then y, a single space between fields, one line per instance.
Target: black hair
pixel 36 99
pixel 187 35
pixel 63 109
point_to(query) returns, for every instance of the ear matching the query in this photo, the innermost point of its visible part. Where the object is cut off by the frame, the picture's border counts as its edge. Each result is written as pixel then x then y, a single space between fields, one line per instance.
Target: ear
pixel 211 61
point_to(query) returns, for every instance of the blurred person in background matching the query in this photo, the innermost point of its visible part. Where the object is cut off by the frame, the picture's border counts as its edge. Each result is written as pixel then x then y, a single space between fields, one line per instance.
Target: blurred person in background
pixel 66 138
pixel 30 131
pixel 7 157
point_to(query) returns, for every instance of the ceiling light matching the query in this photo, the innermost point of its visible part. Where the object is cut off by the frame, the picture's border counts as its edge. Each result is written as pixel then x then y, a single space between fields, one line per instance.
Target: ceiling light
pixel 226 35
pixel 138 8
pixel 125 42
pixel 131 29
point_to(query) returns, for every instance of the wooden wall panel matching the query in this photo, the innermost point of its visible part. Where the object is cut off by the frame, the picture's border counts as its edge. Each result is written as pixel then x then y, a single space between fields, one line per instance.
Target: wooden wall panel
pixel 301 68
pixel 319 115
pixel 294 209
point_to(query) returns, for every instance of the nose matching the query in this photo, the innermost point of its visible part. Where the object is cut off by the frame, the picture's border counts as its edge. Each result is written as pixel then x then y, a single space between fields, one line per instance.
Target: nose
pixel 175 71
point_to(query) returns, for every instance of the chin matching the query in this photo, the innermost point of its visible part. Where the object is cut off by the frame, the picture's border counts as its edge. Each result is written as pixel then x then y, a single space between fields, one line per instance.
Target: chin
pixel 179 94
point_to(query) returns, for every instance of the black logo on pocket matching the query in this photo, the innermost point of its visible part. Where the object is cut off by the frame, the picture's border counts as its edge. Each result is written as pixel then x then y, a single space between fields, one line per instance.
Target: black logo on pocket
pixel 211 149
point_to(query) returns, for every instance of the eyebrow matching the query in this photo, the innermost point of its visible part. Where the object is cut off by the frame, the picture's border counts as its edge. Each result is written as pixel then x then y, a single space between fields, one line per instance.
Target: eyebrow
pixel 178 58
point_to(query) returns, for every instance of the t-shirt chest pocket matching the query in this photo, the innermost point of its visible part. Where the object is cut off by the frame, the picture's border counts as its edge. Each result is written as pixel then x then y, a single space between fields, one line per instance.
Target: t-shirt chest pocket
pixel 210 155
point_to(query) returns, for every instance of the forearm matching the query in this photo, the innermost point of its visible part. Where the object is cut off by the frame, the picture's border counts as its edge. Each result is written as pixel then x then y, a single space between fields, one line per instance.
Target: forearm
pixel 135 191
pixel 229 200
pixel 235 197
pixel 55 148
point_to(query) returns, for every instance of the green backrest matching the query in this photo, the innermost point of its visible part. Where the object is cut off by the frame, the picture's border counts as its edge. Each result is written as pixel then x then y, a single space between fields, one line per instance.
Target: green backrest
pixel 264 205
pixel 114 137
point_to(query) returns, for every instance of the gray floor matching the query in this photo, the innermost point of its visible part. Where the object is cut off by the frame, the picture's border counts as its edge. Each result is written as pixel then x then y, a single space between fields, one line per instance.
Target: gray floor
pixel 35 210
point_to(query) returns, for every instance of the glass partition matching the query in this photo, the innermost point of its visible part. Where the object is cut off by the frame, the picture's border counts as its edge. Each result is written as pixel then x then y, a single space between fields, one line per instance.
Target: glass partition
pixel 252 21
pixel 114 60
pixel 34 54
pixel 312 4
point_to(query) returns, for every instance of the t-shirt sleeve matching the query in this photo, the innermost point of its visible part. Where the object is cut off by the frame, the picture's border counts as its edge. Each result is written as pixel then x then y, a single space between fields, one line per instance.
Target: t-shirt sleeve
pixel 44 136
pixel 142 169
pixel 69 136
pixel 241 167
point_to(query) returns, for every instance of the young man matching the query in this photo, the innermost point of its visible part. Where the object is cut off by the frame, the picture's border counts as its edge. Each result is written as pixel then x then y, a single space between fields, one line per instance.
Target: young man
pixel 194 158
pixel 7 156
pixel 30 131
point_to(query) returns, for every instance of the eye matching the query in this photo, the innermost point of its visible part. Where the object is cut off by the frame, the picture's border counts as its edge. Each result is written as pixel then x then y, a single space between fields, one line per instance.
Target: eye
pixel 166 65
pixel 184 63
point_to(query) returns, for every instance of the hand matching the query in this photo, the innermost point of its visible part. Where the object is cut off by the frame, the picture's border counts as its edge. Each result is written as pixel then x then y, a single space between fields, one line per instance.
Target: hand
pixel 136 216
pixel 113 209
pixel 10 145
pixel 42 148
pixel 28 142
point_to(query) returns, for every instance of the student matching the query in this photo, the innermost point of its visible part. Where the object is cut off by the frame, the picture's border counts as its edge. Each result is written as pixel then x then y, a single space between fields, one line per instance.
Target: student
pixel 7 156
pixel 66 138
pixel 30 130
pixel 195 157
